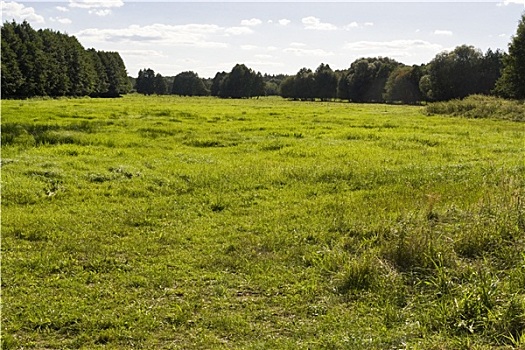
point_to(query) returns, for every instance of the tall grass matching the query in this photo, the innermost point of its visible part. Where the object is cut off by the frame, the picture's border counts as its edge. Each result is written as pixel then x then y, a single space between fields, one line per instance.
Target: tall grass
pixel 480 106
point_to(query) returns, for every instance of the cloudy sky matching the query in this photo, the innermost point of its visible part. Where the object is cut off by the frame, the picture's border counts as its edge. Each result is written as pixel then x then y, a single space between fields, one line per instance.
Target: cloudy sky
pixel 271 37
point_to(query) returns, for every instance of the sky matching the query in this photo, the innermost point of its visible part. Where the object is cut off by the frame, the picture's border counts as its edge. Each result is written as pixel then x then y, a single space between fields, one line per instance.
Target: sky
pixel 171 37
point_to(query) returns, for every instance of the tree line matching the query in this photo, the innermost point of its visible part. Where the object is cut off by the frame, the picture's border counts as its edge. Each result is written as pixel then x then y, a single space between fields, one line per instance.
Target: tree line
pixel 49 63
pixel 457 74
pixel 241 82
pixel 462 72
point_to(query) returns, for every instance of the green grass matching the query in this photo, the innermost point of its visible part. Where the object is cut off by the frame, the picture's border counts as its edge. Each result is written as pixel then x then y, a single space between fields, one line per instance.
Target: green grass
pixel 199 223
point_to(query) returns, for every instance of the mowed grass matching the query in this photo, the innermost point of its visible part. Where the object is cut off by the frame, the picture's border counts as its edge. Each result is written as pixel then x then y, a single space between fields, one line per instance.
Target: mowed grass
pixel 199 223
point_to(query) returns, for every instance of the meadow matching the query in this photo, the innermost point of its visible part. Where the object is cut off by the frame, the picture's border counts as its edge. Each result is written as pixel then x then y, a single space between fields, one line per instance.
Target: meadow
pixel 200 223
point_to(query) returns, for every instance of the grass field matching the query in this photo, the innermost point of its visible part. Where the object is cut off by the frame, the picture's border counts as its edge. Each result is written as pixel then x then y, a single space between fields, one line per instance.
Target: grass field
pixel 199 223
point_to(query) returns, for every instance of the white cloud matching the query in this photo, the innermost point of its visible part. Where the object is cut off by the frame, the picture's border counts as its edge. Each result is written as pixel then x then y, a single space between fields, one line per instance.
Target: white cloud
pixel 90 4
pixel 62 9
pixel 194 35
pixel 351 26
pixel 262 63
pixel 395 48
pixel 264 56
pixel 284 22
pixel 394 44
pixel 302 52
pixel 508 2
pixel 238 30
pixel 60 20
pixel 19 12
pixel 443 32
pixel 316 24
pixel 354 25
pixel 251 22
pixel 142 53
pixel 97 7
pixel 296 44
pixel 249 47
pixel 100 12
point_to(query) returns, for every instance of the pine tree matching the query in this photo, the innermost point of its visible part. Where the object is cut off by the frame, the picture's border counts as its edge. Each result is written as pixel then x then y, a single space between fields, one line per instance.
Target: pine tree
pixel 48 63
pixel 12 77
pixel 32 61
pixel 100 83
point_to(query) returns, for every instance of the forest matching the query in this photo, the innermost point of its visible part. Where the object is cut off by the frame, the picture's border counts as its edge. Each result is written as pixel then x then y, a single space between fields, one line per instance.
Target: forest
pixel 48 63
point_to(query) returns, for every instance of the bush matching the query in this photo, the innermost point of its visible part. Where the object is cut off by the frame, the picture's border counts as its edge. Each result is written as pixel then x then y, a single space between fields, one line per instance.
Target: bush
pixel 480 106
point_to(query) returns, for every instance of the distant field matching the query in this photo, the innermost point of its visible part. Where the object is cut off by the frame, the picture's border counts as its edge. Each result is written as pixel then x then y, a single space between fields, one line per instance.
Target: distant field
pixel 199 223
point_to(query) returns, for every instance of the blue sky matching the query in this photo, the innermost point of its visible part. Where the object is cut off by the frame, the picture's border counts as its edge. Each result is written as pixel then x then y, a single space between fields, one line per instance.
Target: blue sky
pixel 271 37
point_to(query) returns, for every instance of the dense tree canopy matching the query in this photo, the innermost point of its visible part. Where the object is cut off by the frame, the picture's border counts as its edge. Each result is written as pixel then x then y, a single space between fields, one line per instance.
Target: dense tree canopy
pixel 455 74
pixel 272 84
pixel 305 88
pixel 48 63
pixel 512 82
pixel 287 87
pixel 462 72
pixel 149 83
pixel 145 83
pixel 161 85
pixel 325 82
pixel 189 84
pixel 241 82
pixel 217 82
pixel 491 68
pixel 403 85
pixel 366 79
pixel 308 85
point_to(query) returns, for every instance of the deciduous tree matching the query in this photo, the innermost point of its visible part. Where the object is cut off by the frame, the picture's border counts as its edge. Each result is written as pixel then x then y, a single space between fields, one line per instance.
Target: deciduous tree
pixel 456 74
pixel 403 85
pixel 241 82
pixel 146 81
pixel 188 84
pixel 512 82
pixel 325 82
pixel 365 80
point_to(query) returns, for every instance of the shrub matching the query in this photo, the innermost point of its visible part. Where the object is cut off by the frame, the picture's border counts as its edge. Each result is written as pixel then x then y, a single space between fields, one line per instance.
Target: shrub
pixel 479 106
